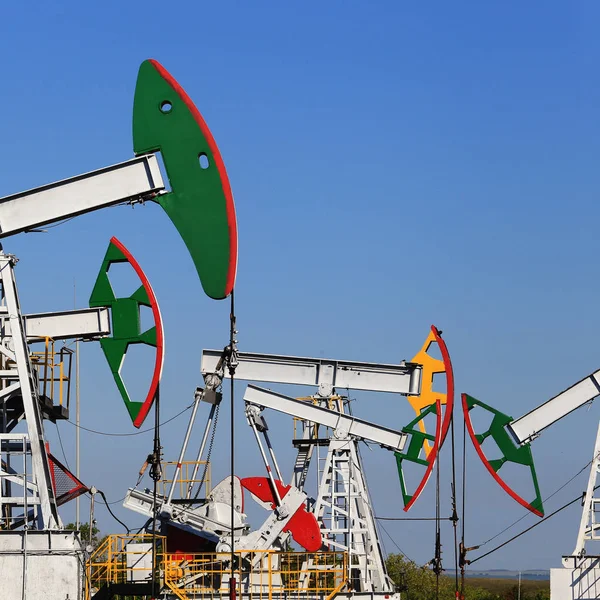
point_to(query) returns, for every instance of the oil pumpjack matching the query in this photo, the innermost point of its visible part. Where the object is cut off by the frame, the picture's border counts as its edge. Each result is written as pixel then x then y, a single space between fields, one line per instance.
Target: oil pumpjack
pixel 579 576
pixel 200 544
pixel 336 530
pixel 38 557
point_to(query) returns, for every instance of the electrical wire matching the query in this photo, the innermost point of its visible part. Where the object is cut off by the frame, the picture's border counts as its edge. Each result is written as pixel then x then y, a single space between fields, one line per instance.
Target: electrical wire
pixel 454 511
pixel 63 221
pixel 62 447
pixel 461 560
pixel 395 544
pixel 112 513
pixel 232 368
pixel 106 433
pixel 413 518
pixel 437 561
pixel 208 452
pixel 527 514
pixel 117 501
pixel 577 499
pixel 52 226
pixel 156 474
pixel 370 500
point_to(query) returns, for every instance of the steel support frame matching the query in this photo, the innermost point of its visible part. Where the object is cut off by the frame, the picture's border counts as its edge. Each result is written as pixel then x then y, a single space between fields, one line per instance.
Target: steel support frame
pixel 343 505
pixel 589 527
pixel 343 496
pixel 21 380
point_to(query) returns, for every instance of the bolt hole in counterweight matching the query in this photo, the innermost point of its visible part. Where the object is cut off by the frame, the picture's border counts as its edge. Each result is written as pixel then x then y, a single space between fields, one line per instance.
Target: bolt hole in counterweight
pixel 203 160
pixel 166 107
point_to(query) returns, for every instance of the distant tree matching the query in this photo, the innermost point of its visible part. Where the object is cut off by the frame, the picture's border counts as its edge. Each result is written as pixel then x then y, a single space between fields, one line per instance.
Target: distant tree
pixel 84 530
pixel 416 582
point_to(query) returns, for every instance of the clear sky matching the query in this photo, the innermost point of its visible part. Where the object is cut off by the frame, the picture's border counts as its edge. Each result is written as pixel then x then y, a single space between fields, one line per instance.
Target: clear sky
pixel 394 165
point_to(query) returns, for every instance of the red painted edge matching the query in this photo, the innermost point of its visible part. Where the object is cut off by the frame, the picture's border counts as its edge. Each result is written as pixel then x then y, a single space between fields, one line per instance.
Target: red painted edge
pixel 431 458
pixel 230 206
pixel 160 347
pixel 449 383
pixel 52 474
pixel 487 464
pixel 447 416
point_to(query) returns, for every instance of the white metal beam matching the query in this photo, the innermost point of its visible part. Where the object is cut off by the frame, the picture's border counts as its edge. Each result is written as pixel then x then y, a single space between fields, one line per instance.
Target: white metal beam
pixel 344 425
pixel 404 378
pixel 528 426
pixel 85 323
pixel 130 180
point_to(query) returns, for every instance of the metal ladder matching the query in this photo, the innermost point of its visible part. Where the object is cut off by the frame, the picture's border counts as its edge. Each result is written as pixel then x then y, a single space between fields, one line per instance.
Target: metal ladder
pixel 20 381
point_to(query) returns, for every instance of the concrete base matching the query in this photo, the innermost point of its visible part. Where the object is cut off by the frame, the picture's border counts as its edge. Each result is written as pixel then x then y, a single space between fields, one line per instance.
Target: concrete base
pixel 41 564
pixel 578 580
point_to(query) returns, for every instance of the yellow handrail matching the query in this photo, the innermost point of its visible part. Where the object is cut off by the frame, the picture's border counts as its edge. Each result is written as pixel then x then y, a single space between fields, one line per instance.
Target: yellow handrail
pixel 298 575
pixel 260 575
pixel 47 363
pixel 108 563
pixel 186 479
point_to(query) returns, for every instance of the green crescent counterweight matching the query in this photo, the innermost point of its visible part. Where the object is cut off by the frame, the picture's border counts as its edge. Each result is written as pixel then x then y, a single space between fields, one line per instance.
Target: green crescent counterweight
pixel 126 326
pixel 510 451
pixel 200 203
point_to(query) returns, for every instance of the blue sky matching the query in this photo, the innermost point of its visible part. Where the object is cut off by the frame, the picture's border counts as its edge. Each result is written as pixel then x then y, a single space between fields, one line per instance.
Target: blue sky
pixel 393 166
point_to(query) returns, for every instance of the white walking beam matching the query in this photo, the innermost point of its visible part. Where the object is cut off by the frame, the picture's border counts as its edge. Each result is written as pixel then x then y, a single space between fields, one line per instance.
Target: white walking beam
pixel 86 323
pixel 344 425
pixel 527 427
pixel 404 378
pixel 128 181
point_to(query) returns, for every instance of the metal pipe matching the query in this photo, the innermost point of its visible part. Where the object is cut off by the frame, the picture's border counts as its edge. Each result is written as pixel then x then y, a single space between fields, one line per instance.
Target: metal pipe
pixel 186 439
pixel 264 457
pixel 350 539
pixel 25 519
pixel 77 431
pixel 77 414
pixel 211 415
pixel 155 472
pixel 91 525
pixel 272 453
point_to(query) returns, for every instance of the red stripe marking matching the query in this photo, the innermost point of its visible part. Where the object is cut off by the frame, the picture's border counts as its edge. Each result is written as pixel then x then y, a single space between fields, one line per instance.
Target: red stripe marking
pixel 230 206
pixel 158 364
pixel 449 383
pixel 445 424
pixel 51 465
pixel 487 464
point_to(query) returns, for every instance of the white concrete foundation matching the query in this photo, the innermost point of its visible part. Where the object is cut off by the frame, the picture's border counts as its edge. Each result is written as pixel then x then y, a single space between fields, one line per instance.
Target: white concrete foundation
pixel 580 580
pixel 41 564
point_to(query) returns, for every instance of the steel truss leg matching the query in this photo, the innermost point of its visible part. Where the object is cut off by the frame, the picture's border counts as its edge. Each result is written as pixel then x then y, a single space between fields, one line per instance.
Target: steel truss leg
pixel 27 389
pixel 343 506
pixel 589 528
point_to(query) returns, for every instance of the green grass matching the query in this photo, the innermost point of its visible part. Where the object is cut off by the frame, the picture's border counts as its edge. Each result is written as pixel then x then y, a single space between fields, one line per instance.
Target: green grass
pixel 508 588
